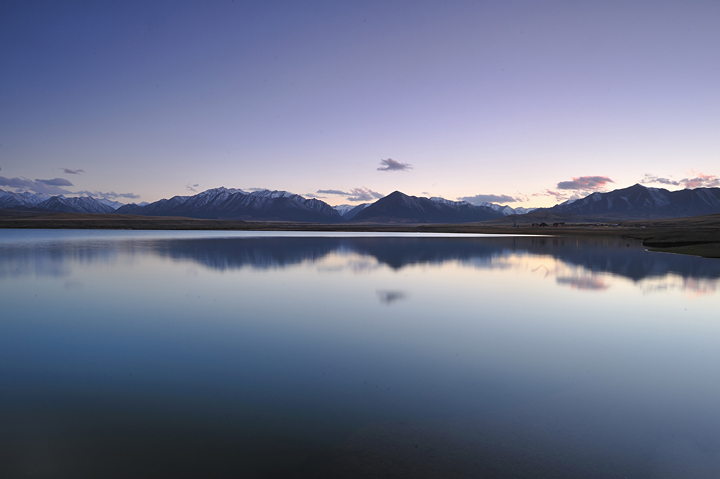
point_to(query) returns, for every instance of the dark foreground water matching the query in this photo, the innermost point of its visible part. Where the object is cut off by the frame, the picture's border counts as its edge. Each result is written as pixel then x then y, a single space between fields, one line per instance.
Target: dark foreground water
pixel 141 354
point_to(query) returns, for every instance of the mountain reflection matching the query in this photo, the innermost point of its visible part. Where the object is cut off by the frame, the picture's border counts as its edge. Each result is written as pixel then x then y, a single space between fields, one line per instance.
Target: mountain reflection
pixel 585 258
pixel 620 257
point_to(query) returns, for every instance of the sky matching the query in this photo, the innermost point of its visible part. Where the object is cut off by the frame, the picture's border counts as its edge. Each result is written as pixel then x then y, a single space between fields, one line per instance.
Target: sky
pixel 526 103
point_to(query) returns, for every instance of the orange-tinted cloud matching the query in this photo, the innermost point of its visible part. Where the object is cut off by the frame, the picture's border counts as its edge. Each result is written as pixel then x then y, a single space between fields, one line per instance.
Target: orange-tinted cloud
pixel 701 181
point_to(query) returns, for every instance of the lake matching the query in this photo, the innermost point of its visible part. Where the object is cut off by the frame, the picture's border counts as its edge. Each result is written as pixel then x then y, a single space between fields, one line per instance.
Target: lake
pixel 244 354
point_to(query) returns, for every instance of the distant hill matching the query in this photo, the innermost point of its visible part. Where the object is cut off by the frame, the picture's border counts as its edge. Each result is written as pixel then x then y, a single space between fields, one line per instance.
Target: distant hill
pixel 398 207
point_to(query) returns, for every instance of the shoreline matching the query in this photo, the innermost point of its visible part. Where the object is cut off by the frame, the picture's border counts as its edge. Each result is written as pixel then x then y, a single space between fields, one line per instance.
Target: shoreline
pixel 697 236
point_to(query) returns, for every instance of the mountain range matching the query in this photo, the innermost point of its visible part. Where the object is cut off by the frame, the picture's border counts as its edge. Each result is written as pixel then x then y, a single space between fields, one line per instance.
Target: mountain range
pixel 635 202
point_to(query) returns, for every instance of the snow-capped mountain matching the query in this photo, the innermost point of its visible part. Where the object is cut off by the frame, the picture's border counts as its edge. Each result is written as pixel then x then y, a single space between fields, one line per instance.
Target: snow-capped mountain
pixel 502 209
pixel 638 201
pixel 342 209
pixel 230 203
pixel 443 201
pixel 8 199
pixel 111 203
pixel 61 203
pixel 348 212
pixel 508 210
pixel 81 204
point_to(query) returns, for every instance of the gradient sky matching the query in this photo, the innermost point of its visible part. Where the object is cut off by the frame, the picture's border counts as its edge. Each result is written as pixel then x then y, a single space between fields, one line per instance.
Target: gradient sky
pixel 525 100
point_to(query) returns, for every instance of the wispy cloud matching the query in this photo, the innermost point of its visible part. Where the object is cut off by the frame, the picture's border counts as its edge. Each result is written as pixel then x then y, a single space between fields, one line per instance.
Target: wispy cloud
pixel 363 194
pixel 701 180
pixel 68 171
pixel 652 179
pixel 477 199
pixel 355 194
pixel 190 187
pixel 392 165
pixel 50 187
pixel 111 195
pixel 586 183
pixel 333 192
pixel 55 182
pixel 312 195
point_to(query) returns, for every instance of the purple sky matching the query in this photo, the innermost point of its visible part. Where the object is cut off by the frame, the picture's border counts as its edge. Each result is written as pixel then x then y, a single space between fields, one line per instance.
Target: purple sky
pixel 526 103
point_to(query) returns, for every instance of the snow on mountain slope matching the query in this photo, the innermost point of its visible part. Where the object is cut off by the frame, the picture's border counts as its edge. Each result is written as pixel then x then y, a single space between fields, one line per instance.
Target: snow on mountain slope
pixel 112 204
pixel 9 199
pixel 81 204
pixel 77 204
pixel 443 201
pixel 348 212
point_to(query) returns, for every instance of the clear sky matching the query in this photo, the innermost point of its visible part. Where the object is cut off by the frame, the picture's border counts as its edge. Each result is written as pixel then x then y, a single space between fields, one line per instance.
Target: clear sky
pixel 522 102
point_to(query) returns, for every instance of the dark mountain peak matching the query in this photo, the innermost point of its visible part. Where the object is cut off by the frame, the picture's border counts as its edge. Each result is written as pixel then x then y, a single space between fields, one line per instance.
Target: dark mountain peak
pixel 399 207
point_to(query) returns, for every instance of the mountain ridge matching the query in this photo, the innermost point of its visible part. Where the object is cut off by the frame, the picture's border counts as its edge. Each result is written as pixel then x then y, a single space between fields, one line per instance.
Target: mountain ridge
pixel 635 202
pixel 399 206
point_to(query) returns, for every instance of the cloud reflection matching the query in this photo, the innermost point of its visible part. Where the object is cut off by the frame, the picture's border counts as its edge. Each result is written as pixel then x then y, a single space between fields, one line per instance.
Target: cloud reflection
pixel 389 297
pixel 589 283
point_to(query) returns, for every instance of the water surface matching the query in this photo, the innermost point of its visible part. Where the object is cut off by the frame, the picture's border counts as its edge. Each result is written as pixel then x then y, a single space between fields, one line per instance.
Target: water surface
pixel 186 354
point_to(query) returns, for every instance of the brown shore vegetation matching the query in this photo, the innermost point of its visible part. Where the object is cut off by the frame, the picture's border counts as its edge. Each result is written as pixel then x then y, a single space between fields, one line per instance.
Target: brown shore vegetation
pixel 699 235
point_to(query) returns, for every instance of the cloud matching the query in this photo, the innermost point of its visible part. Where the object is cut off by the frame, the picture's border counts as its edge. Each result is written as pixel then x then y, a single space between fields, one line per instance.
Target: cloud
pixel 701 180
pixel 49 187
pixel 587 183
pixel 392 165
pixel 333 192
pixel 488 199
pixel 363 194
pixel 55 182
pixel 257 189
pixel 109 195
pixel 311 195
pixel 191 187
pixel 54 187
pixel 68 171
pixel 655 179
pixel 559 196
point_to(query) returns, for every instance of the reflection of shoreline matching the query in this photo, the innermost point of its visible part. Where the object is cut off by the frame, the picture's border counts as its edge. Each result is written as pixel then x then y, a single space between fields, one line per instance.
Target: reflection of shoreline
pixel 593 255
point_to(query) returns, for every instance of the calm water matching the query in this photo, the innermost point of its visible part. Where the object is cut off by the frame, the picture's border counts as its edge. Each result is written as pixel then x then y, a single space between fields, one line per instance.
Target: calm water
pixel 175 354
